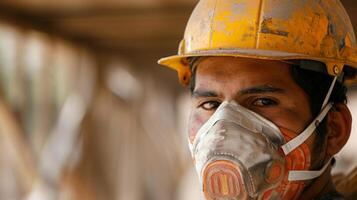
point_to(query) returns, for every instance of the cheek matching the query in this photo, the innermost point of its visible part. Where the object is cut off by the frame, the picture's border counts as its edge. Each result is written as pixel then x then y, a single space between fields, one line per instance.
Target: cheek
pixel 288 118
pixel 196 120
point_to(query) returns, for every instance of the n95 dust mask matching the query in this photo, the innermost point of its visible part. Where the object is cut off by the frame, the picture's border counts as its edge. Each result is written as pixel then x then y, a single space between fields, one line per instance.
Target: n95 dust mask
pixel 239 154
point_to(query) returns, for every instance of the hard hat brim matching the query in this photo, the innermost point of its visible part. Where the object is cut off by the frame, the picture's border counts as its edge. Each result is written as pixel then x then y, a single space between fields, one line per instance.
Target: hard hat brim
pixel 180 63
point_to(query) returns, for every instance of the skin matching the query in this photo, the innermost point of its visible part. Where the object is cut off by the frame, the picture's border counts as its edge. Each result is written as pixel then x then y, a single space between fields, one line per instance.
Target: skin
pixel 267 88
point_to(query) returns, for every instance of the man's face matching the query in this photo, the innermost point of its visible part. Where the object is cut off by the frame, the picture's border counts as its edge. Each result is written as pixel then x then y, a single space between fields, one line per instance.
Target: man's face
pixel 265 87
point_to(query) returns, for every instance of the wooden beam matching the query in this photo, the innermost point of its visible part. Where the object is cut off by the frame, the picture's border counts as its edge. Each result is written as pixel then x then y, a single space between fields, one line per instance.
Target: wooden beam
pixel 156 41
pixel 54 11
pixel 26 22
pixel 124 29
pixel 149 27
pixel 133 31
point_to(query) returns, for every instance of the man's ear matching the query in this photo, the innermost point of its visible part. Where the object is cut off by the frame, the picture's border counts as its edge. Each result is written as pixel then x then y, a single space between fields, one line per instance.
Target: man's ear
pixel 339 123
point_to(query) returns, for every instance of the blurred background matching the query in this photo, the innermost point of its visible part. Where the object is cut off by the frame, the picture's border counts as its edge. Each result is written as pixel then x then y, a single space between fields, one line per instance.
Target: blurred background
pixel 85 111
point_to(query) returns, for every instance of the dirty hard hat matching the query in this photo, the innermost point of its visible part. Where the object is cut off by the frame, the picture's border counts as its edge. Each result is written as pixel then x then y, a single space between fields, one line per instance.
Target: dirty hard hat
pixel 318 30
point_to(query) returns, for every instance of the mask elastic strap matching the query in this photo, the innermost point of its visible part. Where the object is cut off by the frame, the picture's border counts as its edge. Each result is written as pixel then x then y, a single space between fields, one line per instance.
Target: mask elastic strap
pixel 298 140
pixel 299 175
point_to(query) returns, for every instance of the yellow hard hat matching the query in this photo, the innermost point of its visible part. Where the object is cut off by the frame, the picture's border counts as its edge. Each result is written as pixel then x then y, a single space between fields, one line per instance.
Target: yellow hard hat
pixel 317 30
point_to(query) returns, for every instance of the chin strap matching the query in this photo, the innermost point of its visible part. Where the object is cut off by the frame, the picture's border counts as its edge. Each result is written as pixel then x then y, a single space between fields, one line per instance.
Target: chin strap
pixel 299 175
pixel 329 92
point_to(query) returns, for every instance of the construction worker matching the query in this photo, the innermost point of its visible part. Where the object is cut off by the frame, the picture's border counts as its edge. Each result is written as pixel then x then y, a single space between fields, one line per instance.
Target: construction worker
pixel 268 97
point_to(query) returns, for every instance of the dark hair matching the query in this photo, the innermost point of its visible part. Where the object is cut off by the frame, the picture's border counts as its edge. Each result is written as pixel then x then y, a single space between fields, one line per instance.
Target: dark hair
pixel 316 86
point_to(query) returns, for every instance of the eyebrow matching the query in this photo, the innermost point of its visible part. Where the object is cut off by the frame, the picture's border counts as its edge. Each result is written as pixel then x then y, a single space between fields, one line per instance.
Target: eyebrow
pixel 261 89
pixel 253 90
pixel 202 93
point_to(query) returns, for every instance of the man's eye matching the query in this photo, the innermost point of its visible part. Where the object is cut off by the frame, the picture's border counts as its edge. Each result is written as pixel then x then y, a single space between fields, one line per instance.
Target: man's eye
pixel 210 105
pixel 264 102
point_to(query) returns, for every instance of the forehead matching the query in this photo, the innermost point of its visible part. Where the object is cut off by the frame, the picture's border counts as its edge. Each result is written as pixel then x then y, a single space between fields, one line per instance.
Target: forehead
pixel 233 70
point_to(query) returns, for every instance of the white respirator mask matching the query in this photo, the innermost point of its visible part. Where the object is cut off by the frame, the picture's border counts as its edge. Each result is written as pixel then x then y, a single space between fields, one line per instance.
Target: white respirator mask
pixel 239 154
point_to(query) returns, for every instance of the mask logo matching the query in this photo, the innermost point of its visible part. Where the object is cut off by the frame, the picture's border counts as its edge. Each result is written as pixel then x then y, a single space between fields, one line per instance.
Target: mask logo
pixel 222 180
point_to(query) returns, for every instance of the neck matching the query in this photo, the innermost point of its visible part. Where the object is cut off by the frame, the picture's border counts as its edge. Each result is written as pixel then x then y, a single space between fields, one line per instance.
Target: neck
pixel 320 186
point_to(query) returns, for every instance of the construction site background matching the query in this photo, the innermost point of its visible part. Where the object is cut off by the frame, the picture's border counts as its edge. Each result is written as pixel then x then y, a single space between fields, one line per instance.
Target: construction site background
pixel 85 111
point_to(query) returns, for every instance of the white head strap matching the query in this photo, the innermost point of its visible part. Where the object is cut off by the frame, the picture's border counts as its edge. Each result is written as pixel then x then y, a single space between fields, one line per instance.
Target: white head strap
pixel 297 141
pixel 298 175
